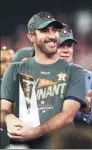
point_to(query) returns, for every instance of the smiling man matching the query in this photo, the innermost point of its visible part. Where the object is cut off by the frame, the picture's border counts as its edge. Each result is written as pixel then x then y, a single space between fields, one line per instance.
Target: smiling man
pixel 41 88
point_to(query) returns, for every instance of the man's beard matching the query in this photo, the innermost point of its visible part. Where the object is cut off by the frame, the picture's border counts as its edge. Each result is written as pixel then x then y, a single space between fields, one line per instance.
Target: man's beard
pixel 46 50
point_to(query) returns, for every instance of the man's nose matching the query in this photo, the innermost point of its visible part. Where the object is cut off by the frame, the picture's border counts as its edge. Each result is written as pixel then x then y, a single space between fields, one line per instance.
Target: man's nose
pixel 65 49
pixel 51 35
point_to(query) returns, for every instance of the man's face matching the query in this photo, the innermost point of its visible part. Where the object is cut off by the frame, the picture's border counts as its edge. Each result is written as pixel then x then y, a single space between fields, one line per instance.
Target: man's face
pixel 47 40
pixel 65 50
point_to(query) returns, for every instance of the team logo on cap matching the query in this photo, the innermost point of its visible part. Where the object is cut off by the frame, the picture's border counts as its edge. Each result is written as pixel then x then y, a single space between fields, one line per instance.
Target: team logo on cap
pixel 32 25
pixel 65 31
pixel 46 15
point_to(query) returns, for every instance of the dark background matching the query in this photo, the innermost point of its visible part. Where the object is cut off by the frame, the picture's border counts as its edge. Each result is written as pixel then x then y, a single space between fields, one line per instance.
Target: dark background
pixel 14 12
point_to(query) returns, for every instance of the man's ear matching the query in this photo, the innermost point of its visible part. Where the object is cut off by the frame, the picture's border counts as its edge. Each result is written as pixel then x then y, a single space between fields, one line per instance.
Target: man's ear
pixel 30 37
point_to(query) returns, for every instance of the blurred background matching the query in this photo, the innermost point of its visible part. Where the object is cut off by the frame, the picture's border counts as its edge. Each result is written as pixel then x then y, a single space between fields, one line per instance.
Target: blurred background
pixel 77 14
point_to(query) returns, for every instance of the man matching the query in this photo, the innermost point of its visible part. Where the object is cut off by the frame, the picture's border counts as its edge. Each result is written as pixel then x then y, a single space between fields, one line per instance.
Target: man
pixel 65 51
pixel 48 99
pixel 85 118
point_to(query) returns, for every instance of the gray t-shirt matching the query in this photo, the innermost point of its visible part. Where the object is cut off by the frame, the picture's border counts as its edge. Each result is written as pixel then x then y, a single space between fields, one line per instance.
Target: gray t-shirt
pixel 54 83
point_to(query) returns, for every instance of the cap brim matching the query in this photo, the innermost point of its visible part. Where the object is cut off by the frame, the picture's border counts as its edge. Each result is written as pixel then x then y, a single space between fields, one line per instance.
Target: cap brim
pixel 57 24
pixel 65 39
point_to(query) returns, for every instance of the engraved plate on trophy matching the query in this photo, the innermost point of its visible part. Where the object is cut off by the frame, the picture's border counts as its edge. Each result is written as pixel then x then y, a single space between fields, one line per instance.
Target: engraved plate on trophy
pixel 27 83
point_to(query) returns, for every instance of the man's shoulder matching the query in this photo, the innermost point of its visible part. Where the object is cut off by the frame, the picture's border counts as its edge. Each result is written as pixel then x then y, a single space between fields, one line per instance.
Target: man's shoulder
pixel 18 67
pixel 22 53
pixel 21 63
pixel 64 62
pixel 71 65
pixel 77 66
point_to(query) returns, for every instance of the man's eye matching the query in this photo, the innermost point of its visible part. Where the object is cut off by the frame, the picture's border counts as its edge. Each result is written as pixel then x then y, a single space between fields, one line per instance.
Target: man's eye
pixel 44 30
pixel 55 29
pixel 69 44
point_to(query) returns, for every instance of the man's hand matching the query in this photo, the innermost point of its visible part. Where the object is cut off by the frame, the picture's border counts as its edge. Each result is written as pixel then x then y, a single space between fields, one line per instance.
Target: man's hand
pixel 24 134
pixel 13 124
pixel 89 96
pixel 88 100
pixel 61 120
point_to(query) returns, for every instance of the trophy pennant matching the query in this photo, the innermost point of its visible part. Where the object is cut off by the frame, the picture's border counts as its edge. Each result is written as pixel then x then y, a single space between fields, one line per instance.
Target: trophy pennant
pixel 28 109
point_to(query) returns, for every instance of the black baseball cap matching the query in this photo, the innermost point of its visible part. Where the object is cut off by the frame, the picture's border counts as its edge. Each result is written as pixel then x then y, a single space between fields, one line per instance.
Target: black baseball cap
pixel 66 34
pixel 41 20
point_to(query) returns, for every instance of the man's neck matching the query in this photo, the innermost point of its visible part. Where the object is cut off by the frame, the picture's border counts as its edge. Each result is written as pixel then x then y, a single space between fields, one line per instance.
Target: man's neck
pixel 46 59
